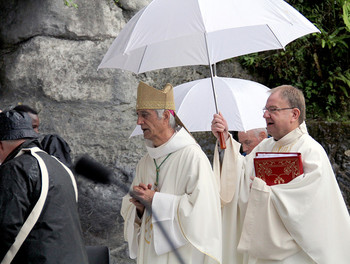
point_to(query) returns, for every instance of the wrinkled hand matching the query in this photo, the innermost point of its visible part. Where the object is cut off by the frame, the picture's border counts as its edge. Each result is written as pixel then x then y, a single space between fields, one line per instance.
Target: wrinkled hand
pixel 142 195
pixel 219 124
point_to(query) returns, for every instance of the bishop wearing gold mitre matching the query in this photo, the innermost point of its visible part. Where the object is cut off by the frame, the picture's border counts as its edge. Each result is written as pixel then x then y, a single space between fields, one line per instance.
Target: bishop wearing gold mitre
pixel 173 190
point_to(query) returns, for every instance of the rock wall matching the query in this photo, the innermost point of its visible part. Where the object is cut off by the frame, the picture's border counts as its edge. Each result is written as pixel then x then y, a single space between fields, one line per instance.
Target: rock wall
pixel 49 58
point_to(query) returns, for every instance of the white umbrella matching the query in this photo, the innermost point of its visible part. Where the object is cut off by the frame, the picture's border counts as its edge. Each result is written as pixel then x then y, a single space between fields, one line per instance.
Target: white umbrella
pixel 241 102
pixel 170 33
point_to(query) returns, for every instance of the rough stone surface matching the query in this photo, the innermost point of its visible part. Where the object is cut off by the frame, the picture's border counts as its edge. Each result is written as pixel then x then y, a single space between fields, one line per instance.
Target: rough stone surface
pixel 335 139
pixel 133 5
pixel 22 20
pixel 49 55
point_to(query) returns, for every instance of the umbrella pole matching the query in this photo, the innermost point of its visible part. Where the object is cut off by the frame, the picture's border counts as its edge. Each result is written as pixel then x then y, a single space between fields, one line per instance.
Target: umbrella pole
pixel 221 135
pixel 213 88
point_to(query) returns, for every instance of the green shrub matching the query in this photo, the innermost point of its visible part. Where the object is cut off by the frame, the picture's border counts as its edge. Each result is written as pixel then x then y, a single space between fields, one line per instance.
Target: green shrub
pixel 318 64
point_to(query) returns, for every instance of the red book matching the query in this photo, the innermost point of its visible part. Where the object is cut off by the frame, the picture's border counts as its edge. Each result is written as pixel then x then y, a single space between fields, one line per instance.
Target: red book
pixel 278 167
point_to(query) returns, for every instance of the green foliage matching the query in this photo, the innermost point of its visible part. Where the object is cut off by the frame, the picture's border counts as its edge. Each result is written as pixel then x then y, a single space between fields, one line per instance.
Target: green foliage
pixel 318 63
pixel 70 3
pixel 346 14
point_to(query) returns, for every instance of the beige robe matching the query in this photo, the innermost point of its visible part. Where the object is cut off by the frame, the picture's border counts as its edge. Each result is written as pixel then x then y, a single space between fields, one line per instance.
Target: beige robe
pixel 304 221
pixel 188 206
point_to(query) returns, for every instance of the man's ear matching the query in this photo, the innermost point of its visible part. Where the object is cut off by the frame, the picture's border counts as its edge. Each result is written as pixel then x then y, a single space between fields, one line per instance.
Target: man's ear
pixel 166 115
pixel 262 135
pixel 296 114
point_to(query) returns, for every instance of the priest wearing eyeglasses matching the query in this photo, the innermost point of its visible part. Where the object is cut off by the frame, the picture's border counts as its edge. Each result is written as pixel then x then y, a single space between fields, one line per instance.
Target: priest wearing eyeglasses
pixel 302 221
pixel 174 190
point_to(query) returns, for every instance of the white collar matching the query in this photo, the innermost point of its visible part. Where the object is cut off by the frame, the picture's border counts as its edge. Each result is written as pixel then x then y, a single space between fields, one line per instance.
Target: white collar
pixel 294 134
pixel 179 140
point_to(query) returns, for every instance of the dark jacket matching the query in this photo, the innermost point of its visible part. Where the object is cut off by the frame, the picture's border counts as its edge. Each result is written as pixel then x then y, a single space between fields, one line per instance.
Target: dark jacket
pixel 56 146
pixel 57 236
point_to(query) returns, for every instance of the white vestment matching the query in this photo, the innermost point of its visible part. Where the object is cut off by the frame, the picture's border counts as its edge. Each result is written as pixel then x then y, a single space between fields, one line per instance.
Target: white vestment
pixel 303 221
pixel 187 205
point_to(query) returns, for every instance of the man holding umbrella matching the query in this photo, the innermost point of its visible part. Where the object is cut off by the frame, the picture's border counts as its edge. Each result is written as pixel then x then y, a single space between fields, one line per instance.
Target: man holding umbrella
pixel 302 221
pixel 174 190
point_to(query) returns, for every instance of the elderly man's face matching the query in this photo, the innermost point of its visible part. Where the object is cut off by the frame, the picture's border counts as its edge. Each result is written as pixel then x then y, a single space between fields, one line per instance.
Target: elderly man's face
pixel 153 128
pixel 248 140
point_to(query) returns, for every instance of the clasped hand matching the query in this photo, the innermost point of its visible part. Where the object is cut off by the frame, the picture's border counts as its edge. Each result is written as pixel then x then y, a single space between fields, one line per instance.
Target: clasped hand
pixel 142 196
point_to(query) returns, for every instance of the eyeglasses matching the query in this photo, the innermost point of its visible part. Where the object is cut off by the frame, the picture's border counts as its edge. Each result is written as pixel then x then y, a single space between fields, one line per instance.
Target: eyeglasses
pixel 275 109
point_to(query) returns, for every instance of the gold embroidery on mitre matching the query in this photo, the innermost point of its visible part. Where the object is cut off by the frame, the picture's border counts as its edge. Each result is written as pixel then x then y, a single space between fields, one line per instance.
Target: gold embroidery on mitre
pixel 152 98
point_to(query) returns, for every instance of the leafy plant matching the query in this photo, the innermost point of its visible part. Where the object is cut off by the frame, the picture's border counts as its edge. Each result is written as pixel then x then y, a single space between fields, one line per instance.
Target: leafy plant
pixel 70 3
pixel 346 14
pixel 318 64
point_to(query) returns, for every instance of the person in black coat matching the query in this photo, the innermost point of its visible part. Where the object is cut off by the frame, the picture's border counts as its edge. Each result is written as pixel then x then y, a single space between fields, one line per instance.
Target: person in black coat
pixel 53 144
pixel 56 236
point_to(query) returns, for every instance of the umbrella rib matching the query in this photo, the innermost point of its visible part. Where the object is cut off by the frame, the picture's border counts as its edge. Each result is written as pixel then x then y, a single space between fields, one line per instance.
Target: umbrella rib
pixel 143 56
pixel 142 13
pixel 273 33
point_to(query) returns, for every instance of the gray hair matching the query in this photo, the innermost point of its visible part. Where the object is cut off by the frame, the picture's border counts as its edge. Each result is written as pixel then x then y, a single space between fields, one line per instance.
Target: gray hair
pixel 172 122
pixel 257 131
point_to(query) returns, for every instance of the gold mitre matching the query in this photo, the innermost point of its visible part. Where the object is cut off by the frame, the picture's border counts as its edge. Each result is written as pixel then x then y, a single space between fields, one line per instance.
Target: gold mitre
pixel 151 98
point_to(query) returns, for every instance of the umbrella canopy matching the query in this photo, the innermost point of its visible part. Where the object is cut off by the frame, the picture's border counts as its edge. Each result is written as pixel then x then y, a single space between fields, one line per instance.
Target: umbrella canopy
pixel 241 102
pixel 169 33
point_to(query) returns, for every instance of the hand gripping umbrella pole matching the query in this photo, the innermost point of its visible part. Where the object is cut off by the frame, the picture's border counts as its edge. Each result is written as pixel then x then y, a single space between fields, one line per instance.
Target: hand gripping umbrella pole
pixel 91 169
